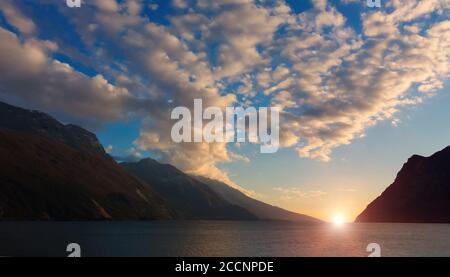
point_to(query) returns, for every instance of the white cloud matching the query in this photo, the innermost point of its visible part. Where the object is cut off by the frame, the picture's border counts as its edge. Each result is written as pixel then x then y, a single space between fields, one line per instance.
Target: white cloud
pixel 153 6
pixel 32 78
pixel 107 5
pixel 296 193
pixel 109 149
pixel 180 4
pixel 332 82
pixel 16 18
pixel 346 84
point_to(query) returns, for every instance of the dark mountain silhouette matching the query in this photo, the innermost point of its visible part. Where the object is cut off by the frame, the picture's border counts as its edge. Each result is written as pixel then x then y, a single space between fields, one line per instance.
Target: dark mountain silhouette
pixel 51 171
pixel 54 172
pixel 420 193
pixel 35 122
pixel 189 197
pixel 262 210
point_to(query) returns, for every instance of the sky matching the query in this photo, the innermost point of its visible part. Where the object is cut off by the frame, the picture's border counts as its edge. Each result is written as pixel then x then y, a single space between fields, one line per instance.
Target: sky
pixel 360 89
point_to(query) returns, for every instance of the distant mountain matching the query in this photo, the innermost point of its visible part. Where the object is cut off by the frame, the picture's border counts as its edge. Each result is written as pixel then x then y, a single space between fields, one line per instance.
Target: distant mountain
pixel 262 210
pixel 189 197
pixel 420 193
pixel 35 122
pixel 54 172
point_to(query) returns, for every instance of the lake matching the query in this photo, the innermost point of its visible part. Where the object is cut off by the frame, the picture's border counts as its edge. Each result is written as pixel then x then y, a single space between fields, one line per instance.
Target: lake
pixel 224 239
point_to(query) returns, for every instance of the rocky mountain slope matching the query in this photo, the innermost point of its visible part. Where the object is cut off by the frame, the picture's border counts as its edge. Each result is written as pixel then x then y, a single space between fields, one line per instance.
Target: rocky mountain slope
pixel 260 209
pixel 36 122
pixel 50 171
pixel 189 197
pixel 420 193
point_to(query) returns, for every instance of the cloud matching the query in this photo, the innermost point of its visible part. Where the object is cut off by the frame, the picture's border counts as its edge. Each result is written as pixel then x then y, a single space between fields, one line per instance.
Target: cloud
pixel 238 52
pixel 35 80
pixel 107 5
pixel 332 82
pixel 109 149
pixel 153 6
pixel 295 193
pixel 349 190
pixel 345 83
pixel 16 18
pixel 180 4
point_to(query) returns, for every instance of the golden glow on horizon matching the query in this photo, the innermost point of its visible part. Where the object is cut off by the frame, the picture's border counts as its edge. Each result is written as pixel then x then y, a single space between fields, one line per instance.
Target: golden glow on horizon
pixel 338 220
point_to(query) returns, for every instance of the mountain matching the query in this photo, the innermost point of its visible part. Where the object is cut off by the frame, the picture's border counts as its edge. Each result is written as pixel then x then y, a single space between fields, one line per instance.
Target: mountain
pixel 189 197
pixel 50 171
pixel 420 193
pixel 35 122
pixel 262 210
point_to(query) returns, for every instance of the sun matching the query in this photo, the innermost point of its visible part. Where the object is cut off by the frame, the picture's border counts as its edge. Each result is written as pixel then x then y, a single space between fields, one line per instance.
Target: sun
pixel 338 220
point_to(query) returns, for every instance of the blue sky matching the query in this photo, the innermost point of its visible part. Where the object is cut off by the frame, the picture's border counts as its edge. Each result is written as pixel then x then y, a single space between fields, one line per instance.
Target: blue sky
pixel 361 89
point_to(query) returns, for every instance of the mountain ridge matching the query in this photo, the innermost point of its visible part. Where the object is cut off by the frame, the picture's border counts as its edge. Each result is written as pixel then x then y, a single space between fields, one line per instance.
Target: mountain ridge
pixel 36 122
pixel 262 210
pixel 45 179
pixel 52 171
pixel 191 198
pixel 419 194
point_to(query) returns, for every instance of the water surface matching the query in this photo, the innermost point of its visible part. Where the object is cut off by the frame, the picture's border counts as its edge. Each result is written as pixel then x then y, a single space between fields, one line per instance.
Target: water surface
pixel 227 239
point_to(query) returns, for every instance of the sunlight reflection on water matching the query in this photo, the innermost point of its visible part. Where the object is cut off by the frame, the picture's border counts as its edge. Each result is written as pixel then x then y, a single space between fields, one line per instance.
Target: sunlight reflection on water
pixel 202 238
